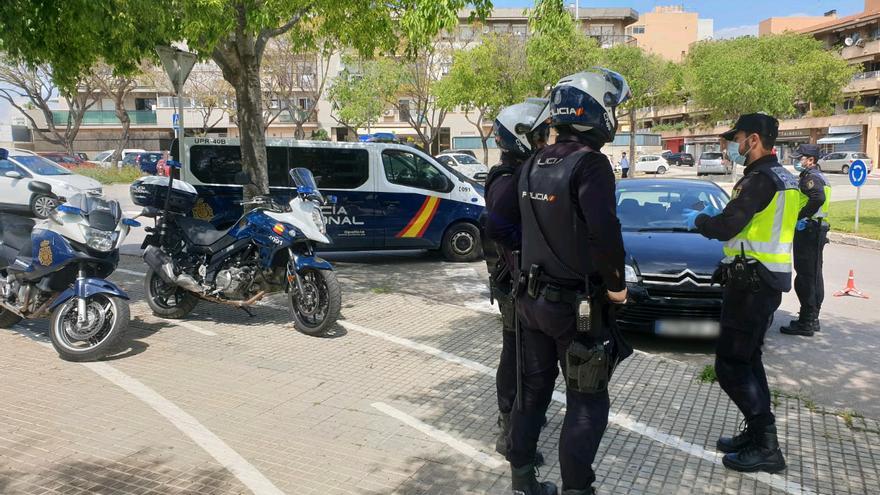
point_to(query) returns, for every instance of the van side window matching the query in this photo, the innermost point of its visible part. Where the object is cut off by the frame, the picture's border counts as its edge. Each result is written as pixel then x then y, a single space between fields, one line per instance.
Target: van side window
pixel 213 164
pixel 408 169
pixel 334 168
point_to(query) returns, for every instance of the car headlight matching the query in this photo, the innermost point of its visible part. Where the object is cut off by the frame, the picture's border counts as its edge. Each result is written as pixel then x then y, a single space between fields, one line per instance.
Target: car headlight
pixel 630 274
pixel 99 240
pixel 318 218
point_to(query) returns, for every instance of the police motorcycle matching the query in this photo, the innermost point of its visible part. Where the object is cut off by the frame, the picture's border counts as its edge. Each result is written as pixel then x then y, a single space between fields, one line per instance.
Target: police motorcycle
pixel 269 250
pixel 58 267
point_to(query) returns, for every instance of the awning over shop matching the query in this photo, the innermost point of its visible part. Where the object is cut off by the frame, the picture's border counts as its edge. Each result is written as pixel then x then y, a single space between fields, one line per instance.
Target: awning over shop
pixel 838 138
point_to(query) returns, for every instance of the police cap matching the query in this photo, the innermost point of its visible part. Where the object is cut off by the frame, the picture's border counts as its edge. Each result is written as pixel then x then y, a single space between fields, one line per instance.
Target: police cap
pixel 754 123
pixel 807 150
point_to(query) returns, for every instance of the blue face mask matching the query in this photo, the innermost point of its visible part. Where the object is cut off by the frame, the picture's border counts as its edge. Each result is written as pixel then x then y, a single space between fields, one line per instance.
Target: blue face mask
pixel 798 166
pixel 734 155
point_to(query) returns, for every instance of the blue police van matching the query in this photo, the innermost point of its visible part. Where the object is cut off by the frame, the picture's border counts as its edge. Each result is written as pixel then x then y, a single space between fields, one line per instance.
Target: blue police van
pixel 389 196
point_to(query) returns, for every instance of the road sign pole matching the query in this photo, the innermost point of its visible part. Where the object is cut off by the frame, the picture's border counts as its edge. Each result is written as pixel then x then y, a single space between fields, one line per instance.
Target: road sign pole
pixel 858 204
pixel 177 64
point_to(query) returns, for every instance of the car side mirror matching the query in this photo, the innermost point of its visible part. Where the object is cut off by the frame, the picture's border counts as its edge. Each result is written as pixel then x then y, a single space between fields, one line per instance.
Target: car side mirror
pixel 39 187
pixel 13 174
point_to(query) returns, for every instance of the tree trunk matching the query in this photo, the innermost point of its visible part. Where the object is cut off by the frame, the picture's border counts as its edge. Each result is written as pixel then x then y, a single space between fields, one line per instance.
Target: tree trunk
pixel 485 150
pixel 632 140
pixel 248 97
pixel 298 131
pixel 123 117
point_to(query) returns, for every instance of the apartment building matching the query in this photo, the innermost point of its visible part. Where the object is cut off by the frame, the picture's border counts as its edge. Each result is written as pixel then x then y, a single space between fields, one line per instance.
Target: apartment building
pixel 152 109
pixel 779 25
pixel 669 31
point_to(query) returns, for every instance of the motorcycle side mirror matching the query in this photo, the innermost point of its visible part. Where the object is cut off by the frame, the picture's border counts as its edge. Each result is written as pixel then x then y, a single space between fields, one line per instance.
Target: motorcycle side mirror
pixel 242 179
pixel 39 187
pixel 149 212
pixel 172 164
pixel 330 199
pixel 131 222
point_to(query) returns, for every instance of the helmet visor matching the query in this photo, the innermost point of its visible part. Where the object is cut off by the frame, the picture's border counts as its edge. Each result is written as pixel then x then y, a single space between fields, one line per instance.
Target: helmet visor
pixel 621 92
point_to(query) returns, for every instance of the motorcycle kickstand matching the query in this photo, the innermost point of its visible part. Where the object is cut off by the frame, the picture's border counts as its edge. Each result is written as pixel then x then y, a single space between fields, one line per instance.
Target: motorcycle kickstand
pixel 247 310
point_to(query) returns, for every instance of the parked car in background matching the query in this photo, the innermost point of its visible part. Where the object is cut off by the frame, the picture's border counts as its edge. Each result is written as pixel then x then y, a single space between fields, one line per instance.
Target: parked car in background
pixel 102 159
pixel 840 161
pixel 23 167
pixel 146 161
pixel 668 267
pixel 652 164
pixel 461 152
pixel 680 159
pixel 84 157
pixel 62 158
pixel 711 162
pixel 466 164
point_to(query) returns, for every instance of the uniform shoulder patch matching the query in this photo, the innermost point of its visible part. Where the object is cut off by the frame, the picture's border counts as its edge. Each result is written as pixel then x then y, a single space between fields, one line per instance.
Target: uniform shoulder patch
pixel 811 184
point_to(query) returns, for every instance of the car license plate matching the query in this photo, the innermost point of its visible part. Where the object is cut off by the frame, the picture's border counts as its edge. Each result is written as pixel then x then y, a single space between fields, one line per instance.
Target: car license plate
pixel 687 328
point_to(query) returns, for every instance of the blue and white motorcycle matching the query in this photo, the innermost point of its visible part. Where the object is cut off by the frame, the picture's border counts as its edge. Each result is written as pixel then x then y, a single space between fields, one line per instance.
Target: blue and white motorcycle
pixel 269 250
pixel 58 267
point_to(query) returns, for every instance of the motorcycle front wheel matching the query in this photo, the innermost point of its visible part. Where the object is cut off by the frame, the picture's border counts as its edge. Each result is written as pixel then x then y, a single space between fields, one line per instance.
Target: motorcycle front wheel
pixel 107 320
pixel 315 309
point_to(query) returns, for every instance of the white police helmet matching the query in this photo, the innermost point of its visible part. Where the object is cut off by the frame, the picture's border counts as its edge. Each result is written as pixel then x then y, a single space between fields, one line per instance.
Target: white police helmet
pixel 518 126
pixel 587 101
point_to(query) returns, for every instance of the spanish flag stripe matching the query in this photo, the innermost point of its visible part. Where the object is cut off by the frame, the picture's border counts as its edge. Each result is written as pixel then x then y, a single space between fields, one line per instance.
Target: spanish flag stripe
pixel 422 219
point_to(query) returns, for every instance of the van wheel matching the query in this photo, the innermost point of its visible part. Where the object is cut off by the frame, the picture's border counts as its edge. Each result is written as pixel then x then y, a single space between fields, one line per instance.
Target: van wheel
pixel 461 243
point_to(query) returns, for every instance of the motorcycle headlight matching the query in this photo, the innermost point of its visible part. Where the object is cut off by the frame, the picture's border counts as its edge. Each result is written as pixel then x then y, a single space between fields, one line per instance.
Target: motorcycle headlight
pixel 319 219
pixel 630 274
pixel 99 240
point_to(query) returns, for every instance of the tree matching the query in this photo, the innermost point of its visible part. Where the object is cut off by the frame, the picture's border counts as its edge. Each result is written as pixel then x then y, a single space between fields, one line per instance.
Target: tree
pixel 118 86
pixel 556 46
pixel 768 74
pixel 648 76
pixel 358 94
pixel 485 79
pixel 211 93
pixel 233 33
pixel 36 84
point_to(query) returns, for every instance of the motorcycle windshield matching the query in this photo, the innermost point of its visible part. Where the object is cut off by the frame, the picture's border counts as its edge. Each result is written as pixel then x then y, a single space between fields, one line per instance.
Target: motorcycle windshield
pixel 305 182
pixel 102 214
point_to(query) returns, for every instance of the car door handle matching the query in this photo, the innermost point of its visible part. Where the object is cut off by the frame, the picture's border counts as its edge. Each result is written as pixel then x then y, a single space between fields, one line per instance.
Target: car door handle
pixel 392 203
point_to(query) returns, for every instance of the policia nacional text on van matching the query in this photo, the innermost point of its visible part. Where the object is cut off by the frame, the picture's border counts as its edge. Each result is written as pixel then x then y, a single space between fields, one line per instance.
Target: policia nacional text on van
pixel 758 225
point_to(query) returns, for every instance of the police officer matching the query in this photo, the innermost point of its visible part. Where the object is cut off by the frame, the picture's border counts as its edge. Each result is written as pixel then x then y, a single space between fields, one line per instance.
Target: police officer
pixel 758 226
pixel 810 238
pixel 572 264
pixel 519 130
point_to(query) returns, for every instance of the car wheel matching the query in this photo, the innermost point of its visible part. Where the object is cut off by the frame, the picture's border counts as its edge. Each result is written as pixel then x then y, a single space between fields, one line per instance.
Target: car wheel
pixel 661 170
pixel 42 205
pixel 844 169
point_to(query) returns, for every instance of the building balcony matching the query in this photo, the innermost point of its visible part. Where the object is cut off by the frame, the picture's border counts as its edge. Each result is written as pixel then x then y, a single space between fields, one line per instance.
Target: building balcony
pixel 856 53
pixel 668 111
pixel 864 82
pixel 108 117
pixel 611 40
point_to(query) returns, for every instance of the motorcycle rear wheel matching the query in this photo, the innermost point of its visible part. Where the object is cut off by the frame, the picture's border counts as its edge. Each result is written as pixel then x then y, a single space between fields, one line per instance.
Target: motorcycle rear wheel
pixel 167 301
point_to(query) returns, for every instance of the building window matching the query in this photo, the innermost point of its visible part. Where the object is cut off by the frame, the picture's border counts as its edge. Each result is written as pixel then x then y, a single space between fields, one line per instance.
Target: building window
pixel 638 30
pixel 520 30
pixel 848 103
pixel 465 33
pixel 144 103
pixel 403 110
pixel 875 32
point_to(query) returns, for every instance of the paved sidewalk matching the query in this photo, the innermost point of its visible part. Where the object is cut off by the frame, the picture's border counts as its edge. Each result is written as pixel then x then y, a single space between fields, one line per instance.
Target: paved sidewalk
pixel 400 400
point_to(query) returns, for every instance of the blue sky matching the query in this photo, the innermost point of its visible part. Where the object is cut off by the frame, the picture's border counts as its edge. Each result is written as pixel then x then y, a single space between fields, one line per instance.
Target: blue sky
pixel 732 17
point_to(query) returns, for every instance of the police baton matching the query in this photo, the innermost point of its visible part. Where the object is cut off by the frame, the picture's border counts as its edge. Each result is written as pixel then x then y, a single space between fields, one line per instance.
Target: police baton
pixel 517 289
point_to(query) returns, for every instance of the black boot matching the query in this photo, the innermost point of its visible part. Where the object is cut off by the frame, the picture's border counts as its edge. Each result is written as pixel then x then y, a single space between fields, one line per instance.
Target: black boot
pixel 502 444
pixel 525 482
pixel 801 326
pixel 735 443
pixel 586 491
pixel 763 454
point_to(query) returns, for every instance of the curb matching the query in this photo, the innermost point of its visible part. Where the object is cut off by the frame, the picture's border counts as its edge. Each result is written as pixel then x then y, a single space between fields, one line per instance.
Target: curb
pixel 853 240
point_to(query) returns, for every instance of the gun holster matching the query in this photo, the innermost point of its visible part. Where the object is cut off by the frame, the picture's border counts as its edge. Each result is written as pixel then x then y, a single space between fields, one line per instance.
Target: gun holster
pixel 533 281
pixel 742 274
pixel 587 367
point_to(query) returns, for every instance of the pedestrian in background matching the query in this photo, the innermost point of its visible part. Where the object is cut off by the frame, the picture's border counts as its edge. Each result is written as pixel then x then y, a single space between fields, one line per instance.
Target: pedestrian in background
pixel 624 166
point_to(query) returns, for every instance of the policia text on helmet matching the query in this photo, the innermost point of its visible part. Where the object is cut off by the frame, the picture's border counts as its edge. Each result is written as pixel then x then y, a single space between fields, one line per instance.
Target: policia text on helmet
pixel 758 227
pixel 569 275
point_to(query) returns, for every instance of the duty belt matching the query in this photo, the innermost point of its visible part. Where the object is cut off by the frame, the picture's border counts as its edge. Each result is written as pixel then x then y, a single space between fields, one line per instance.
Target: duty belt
pixel 556 294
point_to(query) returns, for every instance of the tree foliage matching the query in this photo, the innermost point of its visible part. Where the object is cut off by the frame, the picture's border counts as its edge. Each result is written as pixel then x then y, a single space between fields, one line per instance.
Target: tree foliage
pixel 358 94
pixel 770 74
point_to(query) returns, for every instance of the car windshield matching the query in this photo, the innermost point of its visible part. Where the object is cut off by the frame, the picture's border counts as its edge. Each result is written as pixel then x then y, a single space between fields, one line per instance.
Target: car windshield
pixel 661 207
pixel 711 156
pixel 40 166
pixel 467 160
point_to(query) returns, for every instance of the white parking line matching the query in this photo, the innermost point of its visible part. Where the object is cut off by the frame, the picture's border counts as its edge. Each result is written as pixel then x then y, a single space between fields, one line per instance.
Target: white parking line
pixel 250 476
pixel 620 419
pixel 130 272
pixel 439 435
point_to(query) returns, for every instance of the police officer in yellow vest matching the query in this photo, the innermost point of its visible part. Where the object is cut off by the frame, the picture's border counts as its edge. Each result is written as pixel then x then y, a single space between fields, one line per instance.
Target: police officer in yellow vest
pixel 758 226
pixel 809 242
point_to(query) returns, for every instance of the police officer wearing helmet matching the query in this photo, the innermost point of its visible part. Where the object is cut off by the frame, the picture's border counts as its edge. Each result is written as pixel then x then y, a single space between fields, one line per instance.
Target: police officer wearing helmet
pixel 758 226
pixel 571 270
pixel 519 130
pixel 810 238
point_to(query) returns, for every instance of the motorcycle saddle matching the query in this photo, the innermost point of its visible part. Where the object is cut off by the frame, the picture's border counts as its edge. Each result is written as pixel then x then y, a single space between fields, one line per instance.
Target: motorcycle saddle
pixel 200 232
pixel 15 232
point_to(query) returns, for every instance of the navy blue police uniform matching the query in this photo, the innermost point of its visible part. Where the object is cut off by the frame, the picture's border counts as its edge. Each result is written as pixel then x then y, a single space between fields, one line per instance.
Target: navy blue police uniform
pixel 571 231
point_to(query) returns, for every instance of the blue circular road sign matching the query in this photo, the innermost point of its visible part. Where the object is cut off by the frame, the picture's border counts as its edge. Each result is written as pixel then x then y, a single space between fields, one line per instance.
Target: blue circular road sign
pixel 858 173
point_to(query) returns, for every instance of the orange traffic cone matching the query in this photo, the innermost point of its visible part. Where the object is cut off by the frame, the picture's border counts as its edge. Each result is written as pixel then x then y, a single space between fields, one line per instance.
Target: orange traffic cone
pixel 850 289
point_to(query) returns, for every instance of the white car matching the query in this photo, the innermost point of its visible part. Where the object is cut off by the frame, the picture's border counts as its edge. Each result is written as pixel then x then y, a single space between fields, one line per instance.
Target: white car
pixel 23 167
pixel 652 164
pixel 712 162
pixel 102 159
pixel 840 161
pixel 465 164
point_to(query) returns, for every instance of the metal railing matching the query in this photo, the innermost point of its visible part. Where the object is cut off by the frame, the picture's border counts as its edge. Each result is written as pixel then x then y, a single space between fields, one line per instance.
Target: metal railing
pixel 107 117
pixel 874 74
